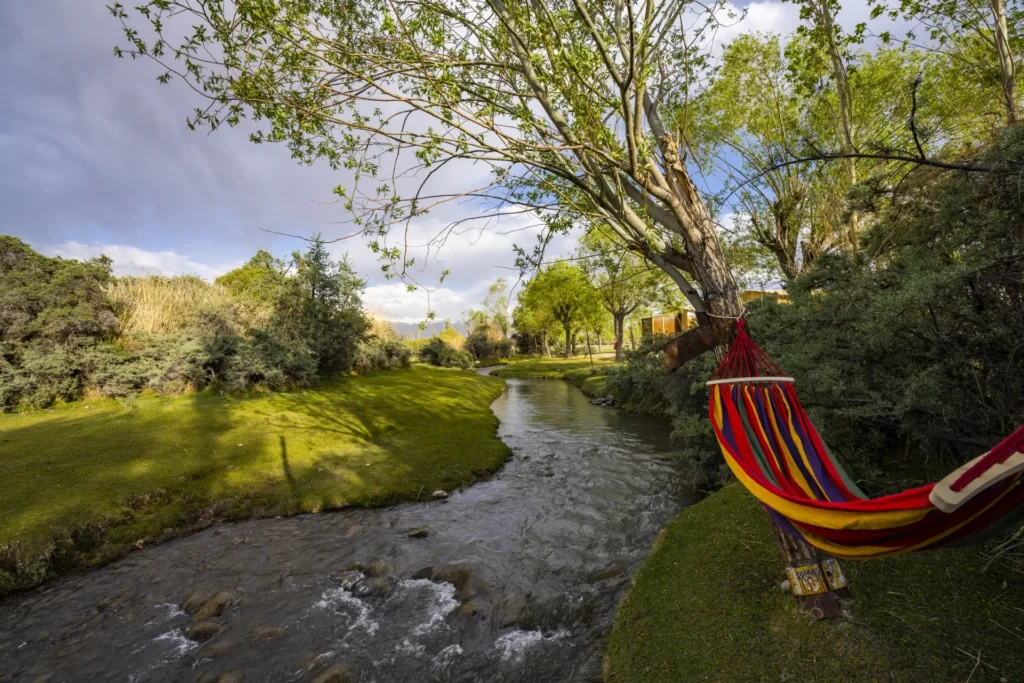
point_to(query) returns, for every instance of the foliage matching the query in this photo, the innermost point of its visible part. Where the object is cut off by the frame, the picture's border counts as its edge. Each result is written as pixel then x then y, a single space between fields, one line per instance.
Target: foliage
pixel 481 345
pixel 623 281
pixel 439 353
pixel 48 301
pixel 914 341
pixel 69 328
pixel 332 320
pixel 381 354
pixel 562 115
pixel 158 467
pixel 562 294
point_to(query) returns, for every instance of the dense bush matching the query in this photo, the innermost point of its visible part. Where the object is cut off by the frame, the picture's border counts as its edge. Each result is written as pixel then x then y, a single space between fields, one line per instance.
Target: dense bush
pixel 380 354
pixel 913 345
pixel 438 352
pixel 67 327
pixel 481 344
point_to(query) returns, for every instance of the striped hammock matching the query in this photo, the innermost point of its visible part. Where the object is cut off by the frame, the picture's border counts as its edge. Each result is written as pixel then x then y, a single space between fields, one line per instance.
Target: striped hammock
pixel 771 446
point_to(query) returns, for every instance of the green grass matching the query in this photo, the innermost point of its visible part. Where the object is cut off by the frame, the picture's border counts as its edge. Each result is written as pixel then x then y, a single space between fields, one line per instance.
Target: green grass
pixel 590 382
pixel 706 607
pixel 82 483
pixel 553 368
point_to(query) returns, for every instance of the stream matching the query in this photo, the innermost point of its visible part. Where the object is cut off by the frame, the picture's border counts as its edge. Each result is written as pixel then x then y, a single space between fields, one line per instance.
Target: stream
pixel 516 580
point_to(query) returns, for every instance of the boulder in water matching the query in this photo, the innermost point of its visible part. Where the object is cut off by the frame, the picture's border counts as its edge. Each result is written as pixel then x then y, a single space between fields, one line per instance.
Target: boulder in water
pixel 467 609
pixel 422 532
pixel 214 607
pixel 214 650
pixel 425 573
pixel 193 602
pixel 378 568
pixel 440 494
pixel 266 632
pixel 202 631
pixel 339 673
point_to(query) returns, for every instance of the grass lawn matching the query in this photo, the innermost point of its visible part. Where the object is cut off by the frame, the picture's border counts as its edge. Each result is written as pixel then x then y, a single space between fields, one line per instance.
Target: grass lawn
pixel 553 368
pixel 706 607
pixel 84 482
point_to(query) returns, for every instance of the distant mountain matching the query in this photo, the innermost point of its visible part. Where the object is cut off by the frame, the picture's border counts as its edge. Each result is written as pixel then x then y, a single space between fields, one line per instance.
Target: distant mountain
pixel 413 331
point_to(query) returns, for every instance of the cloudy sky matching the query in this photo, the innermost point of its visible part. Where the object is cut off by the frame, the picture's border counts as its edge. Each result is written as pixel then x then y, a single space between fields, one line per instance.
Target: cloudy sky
pixel 96 158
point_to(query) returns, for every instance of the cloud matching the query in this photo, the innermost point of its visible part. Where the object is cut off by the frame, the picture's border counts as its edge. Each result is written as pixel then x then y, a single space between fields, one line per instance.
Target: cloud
pixel 129 260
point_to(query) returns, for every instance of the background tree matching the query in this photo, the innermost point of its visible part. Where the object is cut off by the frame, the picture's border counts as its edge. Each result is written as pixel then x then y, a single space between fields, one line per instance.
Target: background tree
pixel 622 280
pixel 561 292
pixel 332 316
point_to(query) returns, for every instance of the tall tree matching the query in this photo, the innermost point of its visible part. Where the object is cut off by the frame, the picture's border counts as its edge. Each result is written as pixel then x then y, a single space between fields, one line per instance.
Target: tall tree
pixel 623 280
pixel 496 306
pixel 564 100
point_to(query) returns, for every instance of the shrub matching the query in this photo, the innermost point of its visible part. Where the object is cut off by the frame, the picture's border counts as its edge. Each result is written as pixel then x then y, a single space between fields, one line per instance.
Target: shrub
pixel 377 354
pixel 437 352
pixel 482 345
pixel 51 300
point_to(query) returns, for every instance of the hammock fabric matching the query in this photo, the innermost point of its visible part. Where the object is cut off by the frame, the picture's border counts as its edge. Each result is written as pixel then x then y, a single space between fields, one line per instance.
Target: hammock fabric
pixel 773 449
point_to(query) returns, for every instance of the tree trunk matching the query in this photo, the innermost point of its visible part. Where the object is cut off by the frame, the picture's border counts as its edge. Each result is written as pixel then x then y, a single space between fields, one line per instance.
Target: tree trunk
pixel 568 341
pixel 547 347
pixel 600 346
pixel 845 106
pixel 817 583
pixel 619 321
pixel 590 351
pixel 1007 69
pixel 632 340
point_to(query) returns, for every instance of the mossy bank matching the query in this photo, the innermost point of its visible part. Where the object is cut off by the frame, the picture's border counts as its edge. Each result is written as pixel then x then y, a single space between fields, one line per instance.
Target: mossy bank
pixel 84 483
pixel 706 606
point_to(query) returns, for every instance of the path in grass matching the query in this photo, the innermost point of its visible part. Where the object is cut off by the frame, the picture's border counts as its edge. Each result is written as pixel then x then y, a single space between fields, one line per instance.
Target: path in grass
pixel 84 482
pixel 706 607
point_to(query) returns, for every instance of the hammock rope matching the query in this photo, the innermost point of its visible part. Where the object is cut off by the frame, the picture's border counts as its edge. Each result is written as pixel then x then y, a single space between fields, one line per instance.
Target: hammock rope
pixel 772 447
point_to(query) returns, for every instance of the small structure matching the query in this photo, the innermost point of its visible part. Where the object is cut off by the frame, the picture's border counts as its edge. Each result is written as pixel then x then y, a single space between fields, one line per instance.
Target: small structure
pixel 680 321
pixel 667 323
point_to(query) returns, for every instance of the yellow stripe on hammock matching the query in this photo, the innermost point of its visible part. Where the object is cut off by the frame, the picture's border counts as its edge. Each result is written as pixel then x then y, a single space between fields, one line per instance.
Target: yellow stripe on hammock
pixel 821 517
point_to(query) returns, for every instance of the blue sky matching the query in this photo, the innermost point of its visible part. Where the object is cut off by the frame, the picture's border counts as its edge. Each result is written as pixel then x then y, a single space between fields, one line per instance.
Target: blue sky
pixel 97 159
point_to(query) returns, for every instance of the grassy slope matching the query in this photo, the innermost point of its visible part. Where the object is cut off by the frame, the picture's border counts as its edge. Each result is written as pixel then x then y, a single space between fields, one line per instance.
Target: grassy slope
pixel 706 607
pixel 100 476
pixel 552 368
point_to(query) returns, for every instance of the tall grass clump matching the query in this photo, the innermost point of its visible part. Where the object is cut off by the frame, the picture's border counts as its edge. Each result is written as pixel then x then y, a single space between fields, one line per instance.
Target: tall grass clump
pixel 155 304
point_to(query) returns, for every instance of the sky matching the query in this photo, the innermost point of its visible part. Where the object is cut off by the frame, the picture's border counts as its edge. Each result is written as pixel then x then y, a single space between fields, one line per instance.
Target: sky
pixel 95 157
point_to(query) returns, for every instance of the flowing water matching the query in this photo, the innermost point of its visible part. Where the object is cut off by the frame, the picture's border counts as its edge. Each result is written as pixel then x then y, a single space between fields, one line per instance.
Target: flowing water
pixel 517 579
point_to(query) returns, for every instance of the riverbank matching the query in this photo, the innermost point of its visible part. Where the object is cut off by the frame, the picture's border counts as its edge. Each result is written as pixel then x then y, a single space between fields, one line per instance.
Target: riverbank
pixel 580 372
pixel 706 606
pixel 84 483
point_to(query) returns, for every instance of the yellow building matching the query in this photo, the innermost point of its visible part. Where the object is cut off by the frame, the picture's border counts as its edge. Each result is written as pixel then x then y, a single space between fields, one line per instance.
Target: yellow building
pixel 680 321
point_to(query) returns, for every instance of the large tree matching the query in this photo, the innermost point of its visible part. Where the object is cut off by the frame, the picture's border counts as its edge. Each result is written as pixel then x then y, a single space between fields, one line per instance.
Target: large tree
pixel 565 101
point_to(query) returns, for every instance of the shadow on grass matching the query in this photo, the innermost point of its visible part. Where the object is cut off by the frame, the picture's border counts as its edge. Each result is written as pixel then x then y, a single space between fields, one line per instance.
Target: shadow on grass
pixel 162 467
